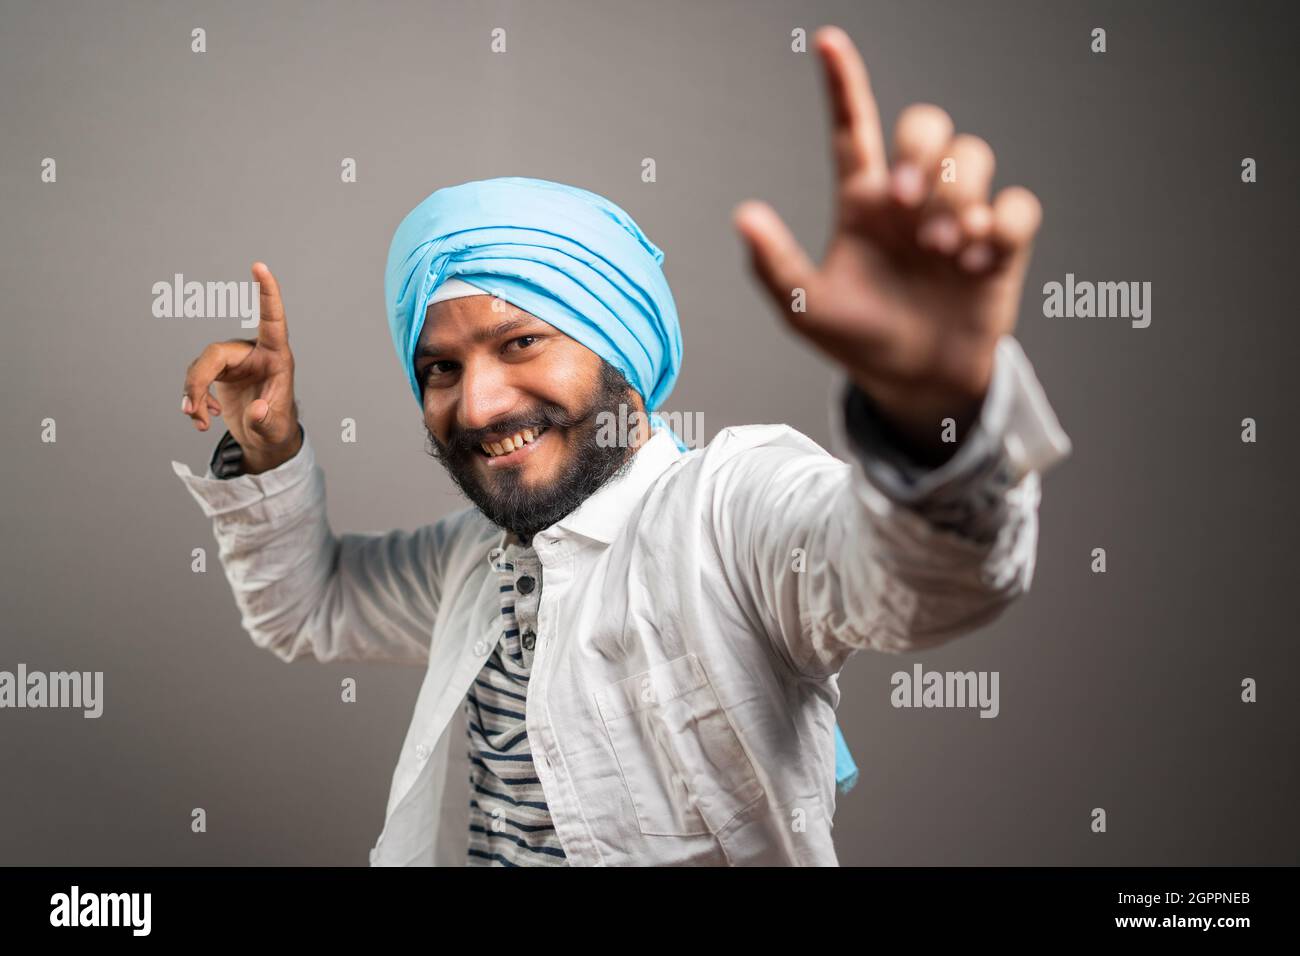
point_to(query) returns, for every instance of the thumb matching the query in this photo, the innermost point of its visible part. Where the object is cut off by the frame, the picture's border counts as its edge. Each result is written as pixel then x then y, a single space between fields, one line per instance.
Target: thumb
pixel 257 419
pixel 777 258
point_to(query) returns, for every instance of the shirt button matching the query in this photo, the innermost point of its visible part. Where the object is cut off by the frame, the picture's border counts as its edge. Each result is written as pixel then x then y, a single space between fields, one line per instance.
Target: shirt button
pixel 421 751
pixel 480 648
pixel 525 584
pixel 529 639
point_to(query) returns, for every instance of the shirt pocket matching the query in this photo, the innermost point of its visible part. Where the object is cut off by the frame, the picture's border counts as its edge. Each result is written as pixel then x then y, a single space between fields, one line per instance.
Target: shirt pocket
pixel 682 763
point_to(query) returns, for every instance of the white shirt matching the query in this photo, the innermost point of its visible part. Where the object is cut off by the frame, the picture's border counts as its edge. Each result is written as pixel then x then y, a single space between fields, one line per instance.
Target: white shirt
pixel 695 614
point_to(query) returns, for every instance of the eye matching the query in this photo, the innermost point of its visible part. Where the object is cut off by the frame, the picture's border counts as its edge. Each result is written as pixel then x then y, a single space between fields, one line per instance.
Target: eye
pixel 523 342
pixel 436 369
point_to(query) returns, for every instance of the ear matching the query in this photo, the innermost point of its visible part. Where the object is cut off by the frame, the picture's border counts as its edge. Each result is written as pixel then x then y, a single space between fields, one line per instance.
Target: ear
pixel 642 419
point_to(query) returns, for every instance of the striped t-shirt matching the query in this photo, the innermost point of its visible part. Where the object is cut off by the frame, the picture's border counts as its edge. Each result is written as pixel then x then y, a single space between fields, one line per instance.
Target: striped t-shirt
pixel 509 822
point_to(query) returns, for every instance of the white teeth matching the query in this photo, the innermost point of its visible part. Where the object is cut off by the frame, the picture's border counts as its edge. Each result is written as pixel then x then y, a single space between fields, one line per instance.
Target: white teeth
pixel 497 449
pixel 509 444
pixel 528 434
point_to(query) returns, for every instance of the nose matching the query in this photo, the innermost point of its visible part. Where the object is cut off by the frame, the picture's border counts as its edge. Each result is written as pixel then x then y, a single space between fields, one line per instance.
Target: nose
pixel 486 394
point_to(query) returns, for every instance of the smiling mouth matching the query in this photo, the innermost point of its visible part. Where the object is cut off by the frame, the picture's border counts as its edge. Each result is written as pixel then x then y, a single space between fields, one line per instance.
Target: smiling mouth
pixel 512 449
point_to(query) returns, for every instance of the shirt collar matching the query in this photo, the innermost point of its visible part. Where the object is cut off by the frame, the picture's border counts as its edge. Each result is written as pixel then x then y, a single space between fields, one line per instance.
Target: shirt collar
pixel 604 513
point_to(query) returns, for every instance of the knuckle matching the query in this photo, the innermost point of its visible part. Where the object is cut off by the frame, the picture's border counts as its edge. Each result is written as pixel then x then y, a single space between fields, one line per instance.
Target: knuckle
pixel 1020 201
pixel 922 118
pixel 972 147
pixel 1019 215
pixel 861 192
pixel 1026 196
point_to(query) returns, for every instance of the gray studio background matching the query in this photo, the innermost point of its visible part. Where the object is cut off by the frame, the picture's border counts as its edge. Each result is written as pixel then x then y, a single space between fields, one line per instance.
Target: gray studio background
pixel 1119 691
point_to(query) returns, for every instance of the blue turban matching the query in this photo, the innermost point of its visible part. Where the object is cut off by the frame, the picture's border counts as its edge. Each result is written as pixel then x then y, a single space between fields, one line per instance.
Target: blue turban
pixel 568 256
pixel 572 258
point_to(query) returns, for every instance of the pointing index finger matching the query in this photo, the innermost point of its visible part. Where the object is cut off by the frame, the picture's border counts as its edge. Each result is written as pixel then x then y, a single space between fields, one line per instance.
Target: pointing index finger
pixel 272 333
pixel 859 142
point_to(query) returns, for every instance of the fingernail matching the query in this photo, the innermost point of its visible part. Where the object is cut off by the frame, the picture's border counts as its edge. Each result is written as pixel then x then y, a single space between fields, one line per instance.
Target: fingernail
pixel 977 257
pixel 186 405
pixel 941 233
pixel 907 184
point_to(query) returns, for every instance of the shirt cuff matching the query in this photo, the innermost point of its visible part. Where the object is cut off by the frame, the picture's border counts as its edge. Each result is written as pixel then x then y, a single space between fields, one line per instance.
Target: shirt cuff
pixel 217 495
pixel 1015 433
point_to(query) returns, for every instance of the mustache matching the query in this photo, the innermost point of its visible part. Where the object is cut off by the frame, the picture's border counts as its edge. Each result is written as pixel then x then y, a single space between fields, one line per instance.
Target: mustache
pixel 464 441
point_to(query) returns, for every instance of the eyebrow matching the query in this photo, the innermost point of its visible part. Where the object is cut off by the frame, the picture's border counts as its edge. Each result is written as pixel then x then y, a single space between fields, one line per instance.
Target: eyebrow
pixel 479 335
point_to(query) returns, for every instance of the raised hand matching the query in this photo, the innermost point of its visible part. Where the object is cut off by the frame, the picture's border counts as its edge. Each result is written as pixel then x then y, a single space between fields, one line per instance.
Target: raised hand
pixel 253 380
pixel 923 274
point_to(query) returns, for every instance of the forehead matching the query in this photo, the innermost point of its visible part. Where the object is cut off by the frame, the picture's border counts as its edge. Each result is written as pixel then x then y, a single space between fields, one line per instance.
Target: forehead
pixel 472 317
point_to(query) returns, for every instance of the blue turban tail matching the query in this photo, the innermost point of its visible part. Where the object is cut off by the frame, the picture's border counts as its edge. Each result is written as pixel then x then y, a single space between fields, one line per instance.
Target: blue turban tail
pixel 568 256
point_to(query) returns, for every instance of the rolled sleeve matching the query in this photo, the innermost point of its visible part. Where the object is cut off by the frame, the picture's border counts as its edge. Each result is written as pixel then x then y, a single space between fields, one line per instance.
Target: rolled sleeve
pixel 304 591
pixel 253 500
pixel 1015 432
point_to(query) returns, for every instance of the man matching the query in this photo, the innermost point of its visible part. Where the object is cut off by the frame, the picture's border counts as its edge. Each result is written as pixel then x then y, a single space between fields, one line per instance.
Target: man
pixel 631 651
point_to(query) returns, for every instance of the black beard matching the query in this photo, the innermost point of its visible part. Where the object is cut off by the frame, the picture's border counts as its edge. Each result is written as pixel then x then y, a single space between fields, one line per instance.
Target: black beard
pixel 523 510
